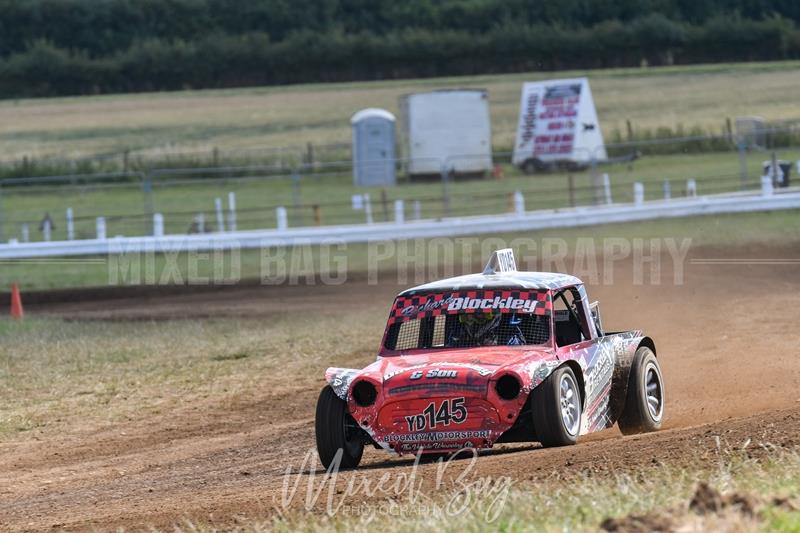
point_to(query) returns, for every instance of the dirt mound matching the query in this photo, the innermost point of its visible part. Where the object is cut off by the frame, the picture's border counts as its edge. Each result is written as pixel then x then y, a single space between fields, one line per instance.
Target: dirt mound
pixel 707 503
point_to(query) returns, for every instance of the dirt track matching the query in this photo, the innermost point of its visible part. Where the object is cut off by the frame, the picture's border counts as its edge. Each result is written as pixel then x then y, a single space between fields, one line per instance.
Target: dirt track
pixel 727 340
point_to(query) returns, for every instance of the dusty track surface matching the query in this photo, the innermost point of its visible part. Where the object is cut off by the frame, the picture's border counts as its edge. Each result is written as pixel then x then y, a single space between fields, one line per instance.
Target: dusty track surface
pixel 727 341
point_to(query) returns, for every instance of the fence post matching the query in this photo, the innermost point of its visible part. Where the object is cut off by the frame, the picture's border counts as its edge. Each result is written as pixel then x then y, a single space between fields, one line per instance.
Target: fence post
pixel 571 188
pixel 47 229
pixel 70 225
pixel 766 186
pixel 147 192
pixel 638 193
pixel 445 191
pixel 691 188
pixel 597 184
pixel 200 222
pixel 231 211
pixel 296 196
pixel 519 204
pixel 368 208
pixel 667 190
pixel 385 205
pixel 399 212
pixel 220 218
pixel 607 189
pixel 317 214
pixel 26 233
pixel 417 210
pixel 283 220
pixel 2 238
pixel 310 154
pixel 100 227
pixel 742 164
pixel 774 169
pixel 158 225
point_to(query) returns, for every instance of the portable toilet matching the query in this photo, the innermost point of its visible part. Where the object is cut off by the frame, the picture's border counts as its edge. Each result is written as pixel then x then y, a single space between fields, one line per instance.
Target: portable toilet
pixel 373 148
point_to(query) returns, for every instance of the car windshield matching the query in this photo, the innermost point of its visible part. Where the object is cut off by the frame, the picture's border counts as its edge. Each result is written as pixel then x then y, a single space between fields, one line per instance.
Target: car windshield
pixel 469 319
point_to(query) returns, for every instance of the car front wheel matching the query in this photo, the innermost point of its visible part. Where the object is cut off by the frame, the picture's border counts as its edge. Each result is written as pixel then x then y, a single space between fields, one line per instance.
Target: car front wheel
pixel 337 433
pixel 556 408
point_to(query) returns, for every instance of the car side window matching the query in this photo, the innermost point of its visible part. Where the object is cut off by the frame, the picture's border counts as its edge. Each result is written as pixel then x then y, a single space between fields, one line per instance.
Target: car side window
pixel 570 320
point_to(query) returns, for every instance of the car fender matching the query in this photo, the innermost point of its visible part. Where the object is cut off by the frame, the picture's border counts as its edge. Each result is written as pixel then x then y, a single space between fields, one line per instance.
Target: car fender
pixel 622 371
pixel 340 379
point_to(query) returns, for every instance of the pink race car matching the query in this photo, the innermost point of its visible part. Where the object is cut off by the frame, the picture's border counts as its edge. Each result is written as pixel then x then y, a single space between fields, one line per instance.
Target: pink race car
pixel 501 356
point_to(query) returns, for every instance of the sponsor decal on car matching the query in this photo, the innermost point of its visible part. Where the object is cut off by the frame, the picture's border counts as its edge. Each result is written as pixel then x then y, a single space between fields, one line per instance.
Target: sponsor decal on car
pixel 479 369
pixel 449 411
pixel 474 301
pixel 437 436
pixel 416 446
pixel 434 374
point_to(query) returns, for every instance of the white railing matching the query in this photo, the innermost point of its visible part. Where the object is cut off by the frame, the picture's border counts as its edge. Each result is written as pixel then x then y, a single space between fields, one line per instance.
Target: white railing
pixel 520 220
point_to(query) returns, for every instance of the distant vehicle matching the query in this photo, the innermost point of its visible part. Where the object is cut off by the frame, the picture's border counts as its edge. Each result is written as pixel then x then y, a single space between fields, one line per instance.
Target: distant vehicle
pixel 558 127
pixel 447 130
pixel 501 356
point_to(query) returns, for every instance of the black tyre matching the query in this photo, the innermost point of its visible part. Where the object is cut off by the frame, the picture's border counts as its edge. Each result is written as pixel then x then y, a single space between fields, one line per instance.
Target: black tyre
pixel 644 401
pixel 337 432
pixel 529 166
pixel 556 408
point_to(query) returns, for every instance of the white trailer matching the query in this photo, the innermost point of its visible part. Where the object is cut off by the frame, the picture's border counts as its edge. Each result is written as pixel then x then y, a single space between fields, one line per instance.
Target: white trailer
pixel 558 126
pixel 447 130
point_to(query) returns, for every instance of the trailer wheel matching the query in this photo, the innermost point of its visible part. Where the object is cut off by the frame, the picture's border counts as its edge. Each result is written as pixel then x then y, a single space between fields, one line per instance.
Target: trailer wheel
pixel 529 166
pixel 337 432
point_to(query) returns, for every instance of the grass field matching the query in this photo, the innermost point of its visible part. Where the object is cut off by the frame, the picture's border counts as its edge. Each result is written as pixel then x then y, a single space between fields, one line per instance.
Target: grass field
pixel 672 97
pixel 180 200
pixel 306 263
pixel 651 98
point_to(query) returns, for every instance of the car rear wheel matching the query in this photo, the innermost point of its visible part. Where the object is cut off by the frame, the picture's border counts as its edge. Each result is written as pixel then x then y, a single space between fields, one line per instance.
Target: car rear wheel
pixel 337 432
pixel 556 408
pixel 644 403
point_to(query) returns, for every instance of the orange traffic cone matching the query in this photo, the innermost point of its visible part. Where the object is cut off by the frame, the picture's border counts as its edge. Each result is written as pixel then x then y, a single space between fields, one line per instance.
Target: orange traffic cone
pixel 16 303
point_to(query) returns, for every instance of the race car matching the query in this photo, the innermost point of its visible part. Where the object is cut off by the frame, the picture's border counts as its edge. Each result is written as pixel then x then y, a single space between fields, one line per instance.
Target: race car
pixel 500 356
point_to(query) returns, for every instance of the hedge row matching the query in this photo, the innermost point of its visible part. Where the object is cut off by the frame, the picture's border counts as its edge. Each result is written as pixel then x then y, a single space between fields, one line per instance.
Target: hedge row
pixel 254 58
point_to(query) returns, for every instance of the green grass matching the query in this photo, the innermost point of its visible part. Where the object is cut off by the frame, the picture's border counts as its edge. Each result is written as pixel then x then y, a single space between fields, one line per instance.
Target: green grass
pixel 671 97
pixel 584 502
pixel 180 200
pixel 56 375
pixel 688 96
pixel 301 264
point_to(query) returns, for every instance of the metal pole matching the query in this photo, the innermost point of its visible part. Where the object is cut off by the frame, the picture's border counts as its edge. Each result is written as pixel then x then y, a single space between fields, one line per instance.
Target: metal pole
pixel 742 164
pixel 70 225
pixel 774 169
pixel 597 183
pixel 231 211
pixel 220 218
pixel 2 238
pixel 445 191
pixel 296 198
pixel 147 191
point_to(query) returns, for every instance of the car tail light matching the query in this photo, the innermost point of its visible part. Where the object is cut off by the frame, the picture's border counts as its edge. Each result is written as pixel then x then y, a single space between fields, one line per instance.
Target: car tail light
pixel 508 387
pixel 364 393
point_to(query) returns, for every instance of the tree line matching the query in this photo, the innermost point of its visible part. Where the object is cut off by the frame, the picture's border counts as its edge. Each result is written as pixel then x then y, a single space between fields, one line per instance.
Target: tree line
pixel 60 47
